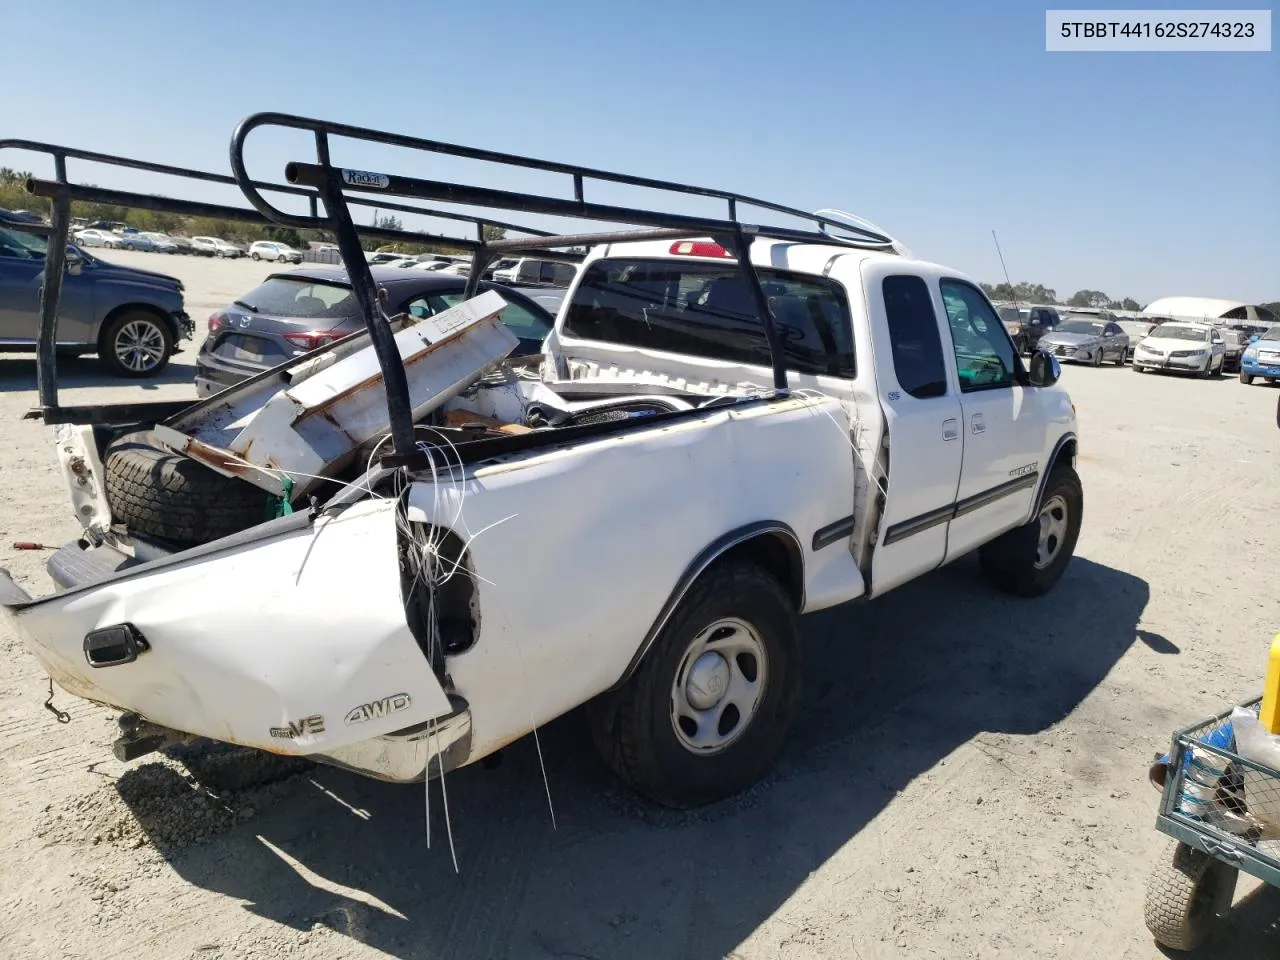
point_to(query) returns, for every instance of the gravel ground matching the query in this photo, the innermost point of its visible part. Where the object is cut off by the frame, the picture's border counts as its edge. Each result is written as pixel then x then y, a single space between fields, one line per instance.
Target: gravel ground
pixel 967 777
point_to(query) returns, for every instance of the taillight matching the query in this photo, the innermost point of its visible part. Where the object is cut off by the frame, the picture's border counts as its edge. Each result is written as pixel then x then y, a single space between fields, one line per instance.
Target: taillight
pixel 311 340
pixel 217 320
pixel 699 248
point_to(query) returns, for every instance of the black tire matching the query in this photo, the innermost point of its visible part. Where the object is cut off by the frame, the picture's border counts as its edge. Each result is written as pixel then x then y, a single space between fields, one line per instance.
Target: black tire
pixel 1121 357
pixel 633 727
pixel 1009 561
pixel 1186 892
pixel 1207 372
pixel 155 492
pixel 1246 378
pixel 256 257
pixel 1138 368
pixel 1096 359
pixel 133 320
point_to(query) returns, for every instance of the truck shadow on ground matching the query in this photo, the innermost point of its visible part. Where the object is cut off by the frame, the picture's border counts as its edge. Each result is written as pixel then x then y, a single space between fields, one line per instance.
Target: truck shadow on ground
pixel 18 373
pixel 893 687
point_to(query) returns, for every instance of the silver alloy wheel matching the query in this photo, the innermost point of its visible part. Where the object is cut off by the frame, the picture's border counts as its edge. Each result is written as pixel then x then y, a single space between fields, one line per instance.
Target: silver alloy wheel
pixel 719 686
pixel 139 345
pixel 1053 530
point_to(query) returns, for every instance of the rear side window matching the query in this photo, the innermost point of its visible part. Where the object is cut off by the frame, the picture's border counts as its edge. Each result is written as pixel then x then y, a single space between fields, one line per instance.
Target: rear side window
pixel 913 334
pixel 706 310
pixel 285 297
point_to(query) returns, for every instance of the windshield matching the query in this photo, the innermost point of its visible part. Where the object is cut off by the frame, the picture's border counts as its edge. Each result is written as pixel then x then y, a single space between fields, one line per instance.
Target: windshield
pixel 1135 328
pixel 1175 331
pixel 1272 334
pixel 300 297
pixel 1081 326
pixel 21 245
pixel 1012 315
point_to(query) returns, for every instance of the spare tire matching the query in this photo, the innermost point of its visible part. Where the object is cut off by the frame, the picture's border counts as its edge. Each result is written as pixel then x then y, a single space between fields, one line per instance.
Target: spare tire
pixel 156 492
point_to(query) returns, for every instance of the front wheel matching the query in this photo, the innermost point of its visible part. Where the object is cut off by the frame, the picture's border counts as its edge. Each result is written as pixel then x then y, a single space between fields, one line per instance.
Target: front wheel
pixel 136 344
pixel 1096 359
pixel 1028 560
pixel 1246 378
pixel 255 256
pixel 1186 892
pixel 705 714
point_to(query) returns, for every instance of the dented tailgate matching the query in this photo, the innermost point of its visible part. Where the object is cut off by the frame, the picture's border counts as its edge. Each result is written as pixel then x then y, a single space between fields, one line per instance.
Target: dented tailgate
pixel 294 643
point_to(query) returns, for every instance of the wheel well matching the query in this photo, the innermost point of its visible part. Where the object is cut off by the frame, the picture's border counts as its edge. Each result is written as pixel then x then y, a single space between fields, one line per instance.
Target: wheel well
pixel 776 553
pixel 1066 454
pixel 141 308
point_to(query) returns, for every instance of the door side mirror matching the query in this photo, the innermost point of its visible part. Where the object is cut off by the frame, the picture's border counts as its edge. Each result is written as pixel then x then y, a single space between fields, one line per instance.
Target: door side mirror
pixel 1254 338
pixel 74 262
pixel 1045 369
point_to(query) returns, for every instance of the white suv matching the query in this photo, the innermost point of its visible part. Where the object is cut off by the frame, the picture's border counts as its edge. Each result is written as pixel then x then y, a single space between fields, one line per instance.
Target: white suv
pixel 270 250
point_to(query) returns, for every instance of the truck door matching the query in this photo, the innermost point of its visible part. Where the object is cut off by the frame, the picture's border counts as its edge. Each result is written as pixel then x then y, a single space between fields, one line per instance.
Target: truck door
pixel 923 422
pixel 1005 428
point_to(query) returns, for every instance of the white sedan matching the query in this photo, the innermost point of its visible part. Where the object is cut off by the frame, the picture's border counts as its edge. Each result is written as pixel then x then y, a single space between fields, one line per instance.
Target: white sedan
pixel 98 238
pixel 1185 347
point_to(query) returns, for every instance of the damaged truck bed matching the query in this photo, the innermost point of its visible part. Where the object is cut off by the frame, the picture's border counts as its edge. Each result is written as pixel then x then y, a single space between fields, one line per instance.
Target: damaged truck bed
pixel 437 549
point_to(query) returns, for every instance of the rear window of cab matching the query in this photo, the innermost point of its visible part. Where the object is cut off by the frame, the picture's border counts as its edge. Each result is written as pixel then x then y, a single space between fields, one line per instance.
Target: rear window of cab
pixel 707 310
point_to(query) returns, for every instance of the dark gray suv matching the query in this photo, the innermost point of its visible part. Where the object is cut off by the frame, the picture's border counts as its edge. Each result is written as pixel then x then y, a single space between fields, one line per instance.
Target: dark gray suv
pixel 133 319
pixel 297 311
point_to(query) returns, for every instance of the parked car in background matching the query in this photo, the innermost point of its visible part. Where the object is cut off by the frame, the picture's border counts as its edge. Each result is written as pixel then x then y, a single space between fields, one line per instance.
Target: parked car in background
pixel 94 237
pixel 1136 330
pixel 204 246
pixel 529 270
pixel 270 250
pixel 182 244
pixel 1261 358
pixel 298 311
pixel 431 266
pixel 1183 347
pixel 225 248
pixel 384 257
pixel 138 241
pixel 1234 342
pixel 161 242
pixel 1027 325
pixel 132 319
pixel 1087 339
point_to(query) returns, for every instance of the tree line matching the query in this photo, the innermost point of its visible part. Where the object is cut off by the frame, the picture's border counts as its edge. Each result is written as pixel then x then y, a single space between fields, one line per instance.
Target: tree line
pixel 1039 293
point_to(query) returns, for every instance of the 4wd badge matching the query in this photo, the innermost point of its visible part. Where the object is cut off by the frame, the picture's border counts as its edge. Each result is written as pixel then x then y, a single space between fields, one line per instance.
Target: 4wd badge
pixel 363 178
pixel 379 708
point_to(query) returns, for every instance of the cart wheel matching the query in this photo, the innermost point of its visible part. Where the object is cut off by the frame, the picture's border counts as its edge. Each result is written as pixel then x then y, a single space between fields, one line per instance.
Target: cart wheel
pixel 1186 892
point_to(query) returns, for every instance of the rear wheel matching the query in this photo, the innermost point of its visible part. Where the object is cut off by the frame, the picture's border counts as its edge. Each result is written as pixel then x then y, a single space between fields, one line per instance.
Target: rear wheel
pixel 255 256
pixel 1186 892
pixel 1028 560
pixel 136 344
pixel 705 714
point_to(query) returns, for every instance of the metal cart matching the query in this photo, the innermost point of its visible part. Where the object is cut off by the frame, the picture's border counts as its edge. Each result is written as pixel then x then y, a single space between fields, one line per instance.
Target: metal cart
pixel 1231 826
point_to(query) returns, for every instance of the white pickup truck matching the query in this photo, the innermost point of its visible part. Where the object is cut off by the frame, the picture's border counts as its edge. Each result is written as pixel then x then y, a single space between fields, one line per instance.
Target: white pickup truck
pixel 643 541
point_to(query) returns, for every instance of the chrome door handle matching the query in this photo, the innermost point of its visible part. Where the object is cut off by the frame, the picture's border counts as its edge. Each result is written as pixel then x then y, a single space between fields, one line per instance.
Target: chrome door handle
pixel 950 429
pixel 978 423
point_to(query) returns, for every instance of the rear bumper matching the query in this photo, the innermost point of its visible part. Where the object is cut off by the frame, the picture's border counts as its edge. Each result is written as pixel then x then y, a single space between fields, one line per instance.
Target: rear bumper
pixel 213 373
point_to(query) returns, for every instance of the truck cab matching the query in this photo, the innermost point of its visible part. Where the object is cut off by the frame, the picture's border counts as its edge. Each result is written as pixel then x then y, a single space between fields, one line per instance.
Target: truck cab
pixel 952 436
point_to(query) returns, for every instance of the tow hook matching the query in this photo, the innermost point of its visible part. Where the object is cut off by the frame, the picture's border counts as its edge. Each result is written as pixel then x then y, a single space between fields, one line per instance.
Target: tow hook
pixel 139 737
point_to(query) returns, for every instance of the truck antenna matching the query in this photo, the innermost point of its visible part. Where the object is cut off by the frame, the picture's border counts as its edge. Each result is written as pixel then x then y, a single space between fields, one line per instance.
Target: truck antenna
pixel 1008 283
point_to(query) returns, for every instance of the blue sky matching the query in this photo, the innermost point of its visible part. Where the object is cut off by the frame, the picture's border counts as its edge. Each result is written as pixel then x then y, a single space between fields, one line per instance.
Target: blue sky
pixel 1138 174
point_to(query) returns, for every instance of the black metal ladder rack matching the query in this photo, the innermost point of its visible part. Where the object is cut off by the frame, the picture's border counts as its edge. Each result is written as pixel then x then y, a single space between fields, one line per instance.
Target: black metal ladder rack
pixel 333 186
pixel 61 191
